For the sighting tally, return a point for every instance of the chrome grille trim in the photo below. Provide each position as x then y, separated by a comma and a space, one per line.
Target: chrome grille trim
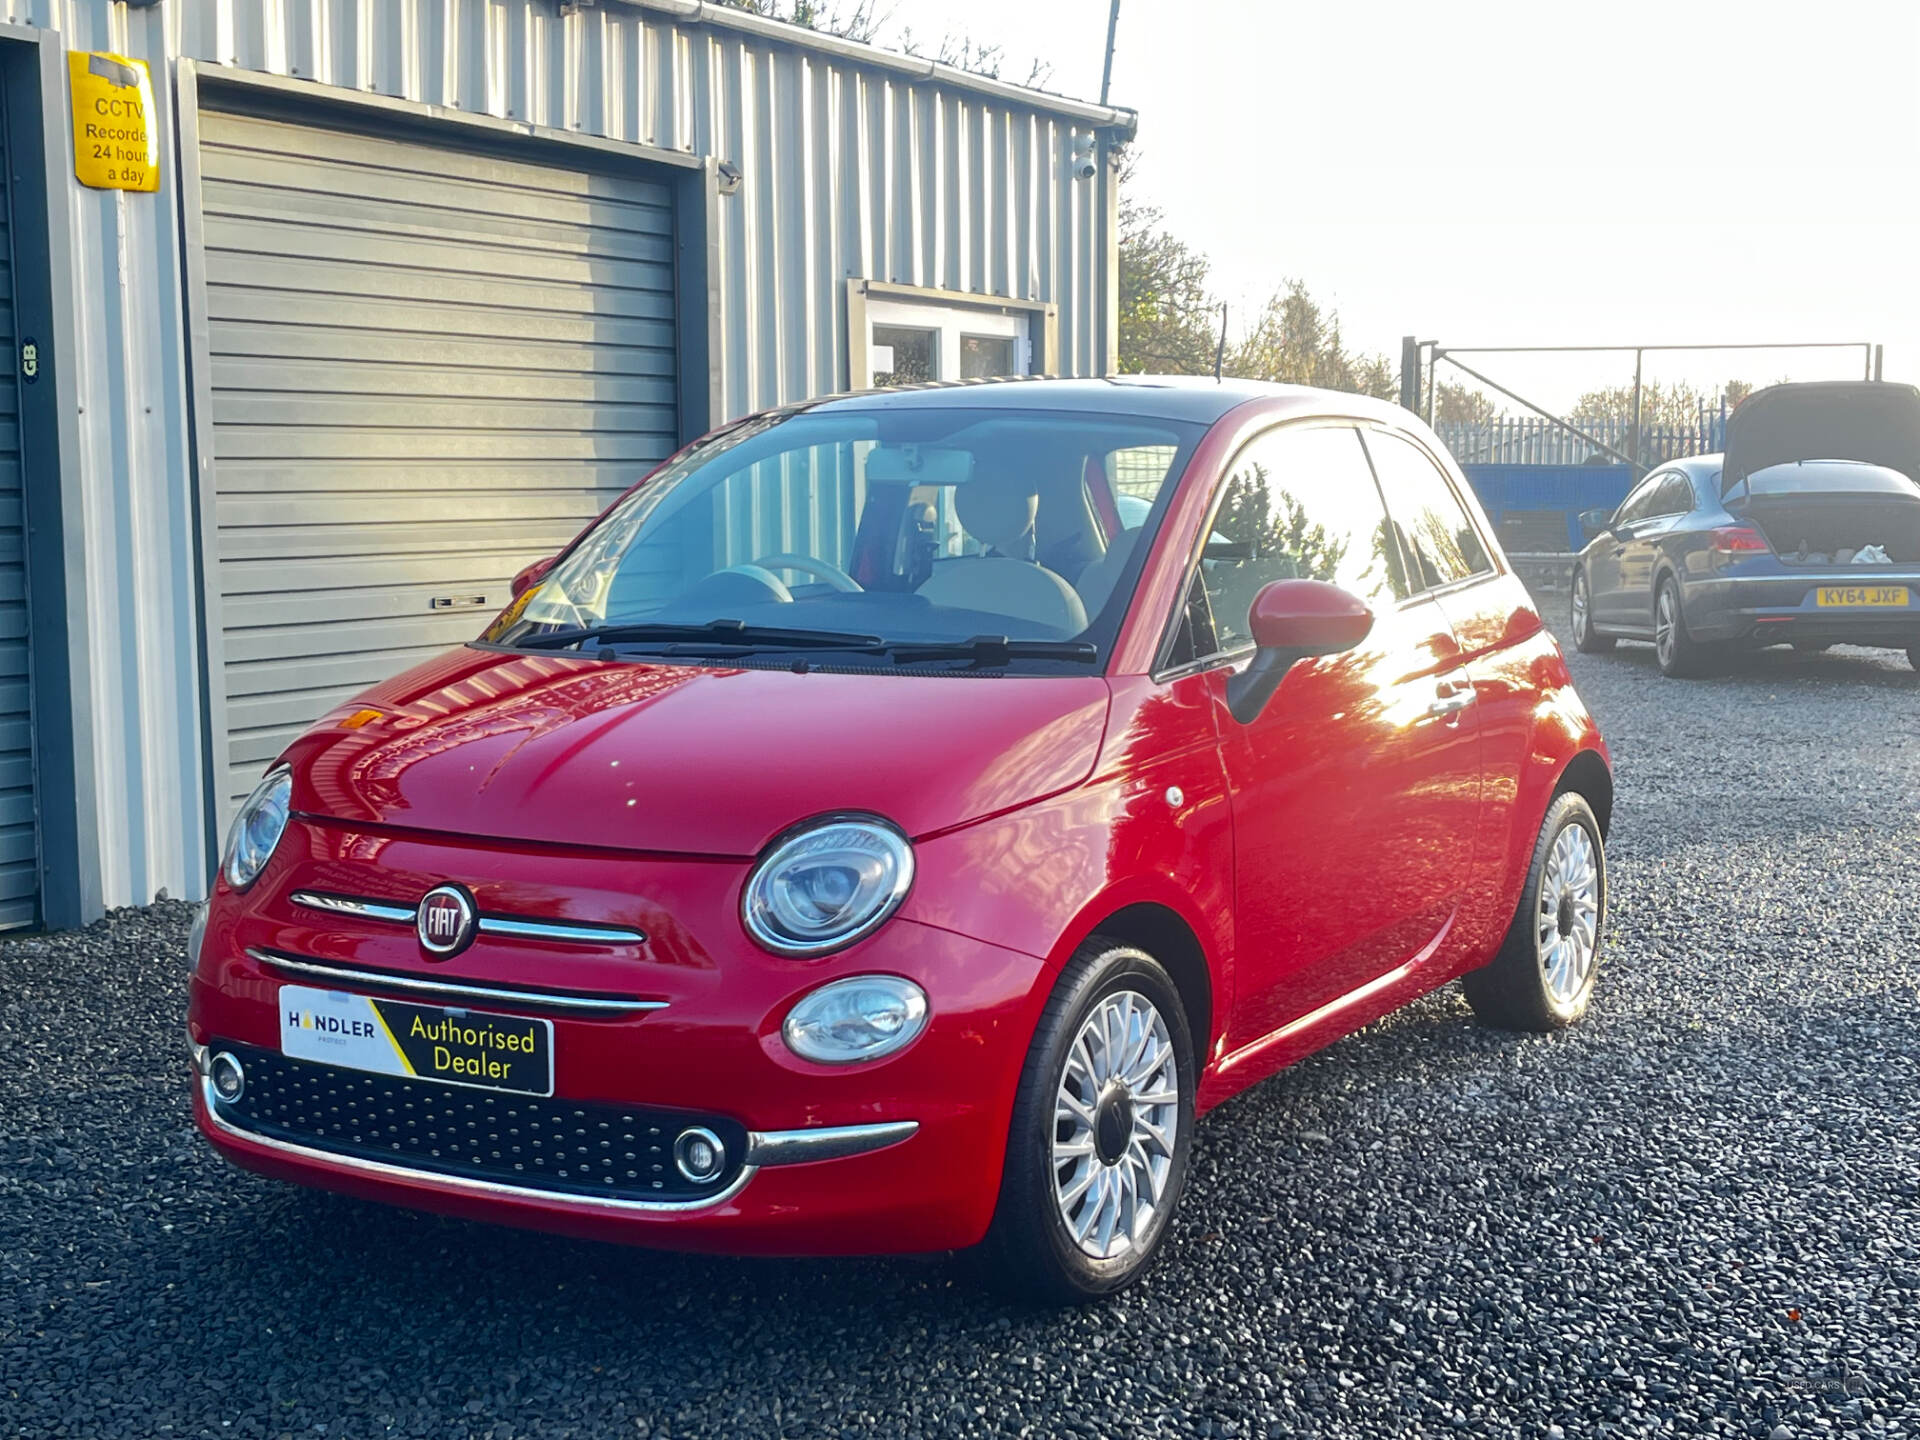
347, 905
455, 990
518, 927
554, 930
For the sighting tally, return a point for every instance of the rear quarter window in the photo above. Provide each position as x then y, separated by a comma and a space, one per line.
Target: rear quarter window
1437, 534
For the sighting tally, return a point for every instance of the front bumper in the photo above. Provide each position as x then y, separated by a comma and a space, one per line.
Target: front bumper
1773, 609
761, 1148
901, 1154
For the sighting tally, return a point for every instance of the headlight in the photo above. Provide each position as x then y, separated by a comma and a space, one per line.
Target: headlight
258, 828
862, 1018
824, 887
196, 936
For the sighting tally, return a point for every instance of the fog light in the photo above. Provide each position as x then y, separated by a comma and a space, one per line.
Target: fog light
699, 1154
863, 1017
229, 1080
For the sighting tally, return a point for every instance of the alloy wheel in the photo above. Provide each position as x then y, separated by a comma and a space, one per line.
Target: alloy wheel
1580, 617
1666, 621
1116, 1114
1568, 928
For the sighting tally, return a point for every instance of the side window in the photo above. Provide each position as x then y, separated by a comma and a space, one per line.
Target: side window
1676, 496
1193, 628
1137, 473
1639, 505
1298, 503
1435, 530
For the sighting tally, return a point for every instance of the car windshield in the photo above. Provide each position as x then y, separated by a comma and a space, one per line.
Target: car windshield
890, 535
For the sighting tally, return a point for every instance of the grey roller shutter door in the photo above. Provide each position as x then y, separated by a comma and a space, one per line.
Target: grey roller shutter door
19, 821
429, 366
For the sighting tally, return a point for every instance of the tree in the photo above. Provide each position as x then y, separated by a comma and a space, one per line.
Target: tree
963, 52
858, 22
1246, 518
1170, 318
1661, 406
863, 20
1462, 404
1295, 342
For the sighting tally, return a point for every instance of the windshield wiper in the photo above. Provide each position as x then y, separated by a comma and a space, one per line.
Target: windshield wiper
728, 633
991, 650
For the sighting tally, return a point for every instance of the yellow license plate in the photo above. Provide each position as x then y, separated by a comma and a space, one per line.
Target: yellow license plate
1859, 596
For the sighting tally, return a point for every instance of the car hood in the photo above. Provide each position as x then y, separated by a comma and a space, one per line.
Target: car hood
1865, 420
688, 759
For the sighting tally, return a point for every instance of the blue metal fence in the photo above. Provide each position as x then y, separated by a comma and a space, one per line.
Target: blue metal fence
1535, 477
1535, 440
1536, 508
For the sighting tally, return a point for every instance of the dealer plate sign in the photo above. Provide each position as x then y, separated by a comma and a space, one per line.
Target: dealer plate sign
114, 147
421, 1042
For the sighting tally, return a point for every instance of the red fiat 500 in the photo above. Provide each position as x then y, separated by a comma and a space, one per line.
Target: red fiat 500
897, 818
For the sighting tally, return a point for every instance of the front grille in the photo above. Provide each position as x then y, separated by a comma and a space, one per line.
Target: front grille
565, 1146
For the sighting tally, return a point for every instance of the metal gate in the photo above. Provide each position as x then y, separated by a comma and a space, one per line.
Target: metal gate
429, 366
19, 818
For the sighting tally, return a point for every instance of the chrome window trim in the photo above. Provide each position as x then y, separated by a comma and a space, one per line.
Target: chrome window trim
515, 926
453, 989
466, 1184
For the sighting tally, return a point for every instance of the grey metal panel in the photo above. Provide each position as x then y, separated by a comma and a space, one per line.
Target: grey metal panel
428, 367
19, 821
855, 162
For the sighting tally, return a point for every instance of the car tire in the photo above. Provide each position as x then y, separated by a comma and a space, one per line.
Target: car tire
1586, 639
1542, 977
1679, 654
1032, 1250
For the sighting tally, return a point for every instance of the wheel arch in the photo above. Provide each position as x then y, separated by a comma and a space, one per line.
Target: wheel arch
1587, 775
1667, 568
1165, 935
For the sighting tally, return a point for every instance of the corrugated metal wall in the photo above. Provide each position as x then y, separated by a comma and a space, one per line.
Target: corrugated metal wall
848, 169
853, 164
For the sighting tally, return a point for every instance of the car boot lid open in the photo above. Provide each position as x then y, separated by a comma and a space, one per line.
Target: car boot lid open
1862, 420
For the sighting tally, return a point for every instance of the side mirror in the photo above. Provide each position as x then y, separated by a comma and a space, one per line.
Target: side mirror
532, 575
1294, 620
1594, 522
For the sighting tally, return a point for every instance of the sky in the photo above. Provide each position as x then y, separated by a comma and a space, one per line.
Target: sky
1524, 172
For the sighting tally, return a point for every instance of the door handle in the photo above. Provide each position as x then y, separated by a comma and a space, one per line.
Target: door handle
1454, 697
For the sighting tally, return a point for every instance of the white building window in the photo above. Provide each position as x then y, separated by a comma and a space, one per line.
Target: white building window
898, 335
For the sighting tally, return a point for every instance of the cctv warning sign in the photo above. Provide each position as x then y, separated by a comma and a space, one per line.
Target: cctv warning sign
113, 139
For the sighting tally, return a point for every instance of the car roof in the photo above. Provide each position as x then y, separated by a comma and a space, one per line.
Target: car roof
1200, 399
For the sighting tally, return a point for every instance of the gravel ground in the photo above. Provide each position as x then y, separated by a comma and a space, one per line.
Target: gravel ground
1694, 1214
